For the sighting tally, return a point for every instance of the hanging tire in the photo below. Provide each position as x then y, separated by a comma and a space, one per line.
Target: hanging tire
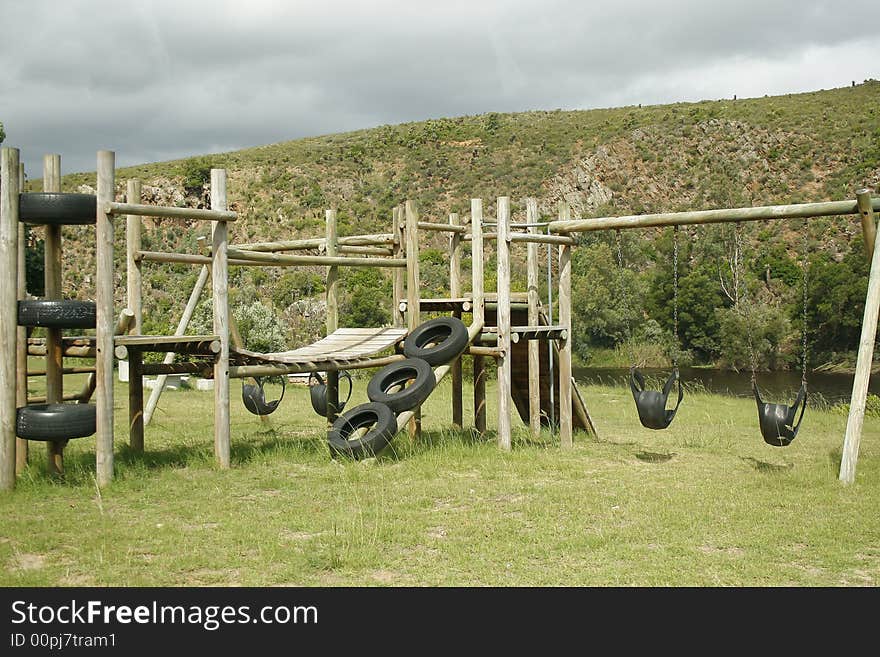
382, 388
57, 313
54, 422
57, 209
383, 427
437, 341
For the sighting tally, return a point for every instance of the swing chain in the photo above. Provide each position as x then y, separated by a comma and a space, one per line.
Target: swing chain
805, 267
675, 296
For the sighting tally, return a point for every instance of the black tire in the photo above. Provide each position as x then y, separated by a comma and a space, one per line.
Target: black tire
54, 422
397, 374
379, 417
437, 341
57, 209
59, 313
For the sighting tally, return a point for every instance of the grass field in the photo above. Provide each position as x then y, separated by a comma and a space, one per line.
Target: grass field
705, 503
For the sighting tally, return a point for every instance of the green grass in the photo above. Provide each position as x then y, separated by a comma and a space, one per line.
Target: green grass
704, 503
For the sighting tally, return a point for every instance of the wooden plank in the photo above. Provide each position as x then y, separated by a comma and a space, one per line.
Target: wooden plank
147, 341
504, 342
277, 260
318, 243
105, 319
220, 291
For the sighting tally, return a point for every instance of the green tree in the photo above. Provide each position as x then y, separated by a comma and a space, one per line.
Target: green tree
365, 299
2, 133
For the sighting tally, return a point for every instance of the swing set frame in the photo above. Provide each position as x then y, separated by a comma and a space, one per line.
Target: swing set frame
864, 205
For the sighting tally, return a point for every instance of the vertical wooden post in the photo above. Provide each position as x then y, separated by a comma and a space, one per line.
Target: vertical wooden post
332, 236
9, 167
52, 269
479, 313
220, 289
565, 391
856, 417
21, 445
534, 302
455, 293
502, 247
397, 277
133, 286
105, 319
869, 228
413, 290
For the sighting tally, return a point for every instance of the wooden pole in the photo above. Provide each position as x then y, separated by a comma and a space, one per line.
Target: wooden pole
763, 213
455, 293
21, 377
220, 288
479, 313
869, 228
105, 319
503, 313
856, 417
133, 277
9, 168
534, 303
397, 281
565, 389
332, 237
413, 292
52, 269
136, 399
181, 330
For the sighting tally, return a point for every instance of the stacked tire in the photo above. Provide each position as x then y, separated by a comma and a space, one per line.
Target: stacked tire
56, 422
397, 388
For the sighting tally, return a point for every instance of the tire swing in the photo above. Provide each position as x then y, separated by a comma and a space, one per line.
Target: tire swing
389, 385
651, 404
780, 423
437, 341
254, 396
318, 393
362, 432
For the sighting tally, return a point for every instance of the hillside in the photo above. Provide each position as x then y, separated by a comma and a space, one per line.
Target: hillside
801, 147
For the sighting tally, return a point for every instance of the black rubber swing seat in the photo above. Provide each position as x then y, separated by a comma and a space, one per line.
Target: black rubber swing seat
318, 393
344, 439
57, 208
437, 341
777, 421
388, 385
57, 313
651, 404
54, 422
254, 397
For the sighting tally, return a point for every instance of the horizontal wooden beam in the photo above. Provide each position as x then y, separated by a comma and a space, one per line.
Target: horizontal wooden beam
277, 369
543, 239
443, 228
377, 239
299, 260
762, 213
203, 369
166, 212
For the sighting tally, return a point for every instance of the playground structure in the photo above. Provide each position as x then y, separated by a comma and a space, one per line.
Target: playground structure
491, 333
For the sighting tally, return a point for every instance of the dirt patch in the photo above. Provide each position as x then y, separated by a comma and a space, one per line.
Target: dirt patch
730, 551
300, 536
437, 532
26, 561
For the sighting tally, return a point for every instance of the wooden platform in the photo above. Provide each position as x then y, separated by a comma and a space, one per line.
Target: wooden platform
343, 345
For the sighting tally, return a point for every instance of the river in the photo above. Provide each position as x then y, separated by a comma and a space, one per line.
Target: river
775, 386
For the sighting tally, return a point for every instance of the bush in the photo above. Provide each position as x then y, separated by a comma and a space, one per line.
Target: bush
196, 172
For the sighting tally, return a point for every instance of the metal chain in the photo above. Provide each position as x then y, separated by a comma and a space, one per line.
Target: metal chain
805, 266
624, 297
675, 346
740, 296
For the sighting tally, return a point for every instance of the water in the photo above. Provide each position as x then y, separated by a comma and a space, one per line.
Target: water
780, 387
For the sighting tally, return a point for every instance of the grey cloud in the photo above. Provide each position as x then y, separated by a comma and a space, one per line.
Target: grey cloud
160, 79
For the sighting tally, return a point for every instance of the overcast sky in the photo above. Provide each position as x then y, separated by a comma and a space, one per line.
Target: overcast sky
156, 80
